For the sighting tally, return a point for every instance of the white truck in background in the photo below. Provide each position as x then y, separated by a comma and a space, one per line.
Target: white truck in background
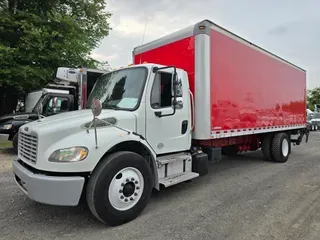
68, 92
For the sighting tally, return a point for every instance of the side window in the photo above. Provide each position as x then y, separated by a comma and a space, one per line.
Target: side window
161, 93
56, 105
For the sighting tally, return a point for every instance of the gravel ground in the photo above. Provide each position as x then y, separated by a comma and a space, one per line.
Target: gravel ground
241, 198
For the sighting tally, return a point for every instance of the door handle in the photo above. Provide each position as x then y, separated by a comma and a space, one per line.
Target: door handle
184, 126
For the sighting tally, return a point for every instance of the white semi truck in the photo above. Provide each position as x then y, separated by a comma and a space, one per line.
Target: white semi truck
157, 124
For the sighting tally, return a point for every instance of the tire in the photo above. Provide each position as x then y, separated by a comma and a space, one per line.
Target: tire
266, 147
230, 150
281, 147
15, 140
119, 188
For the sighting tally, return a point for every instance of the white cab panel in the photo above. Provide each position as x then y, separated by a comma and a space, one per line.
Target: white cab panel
165, 134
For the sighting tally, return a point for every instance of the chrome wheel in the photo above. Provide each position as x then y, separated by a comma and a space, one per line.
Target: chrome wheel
126, 188
285, 147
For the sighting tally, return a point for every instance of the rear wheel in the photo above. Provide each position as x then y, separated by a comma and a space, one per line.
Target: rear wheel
266, 147
281, 147
119, 188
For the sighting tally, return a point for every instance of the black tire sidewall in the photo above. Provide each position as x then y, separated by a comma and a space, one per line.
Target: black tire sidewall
15, 140
277, 147
266, 147
103, 207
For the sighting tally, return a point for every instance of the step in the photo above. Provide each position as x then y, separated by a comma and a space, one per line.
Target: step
172, 158
178, 178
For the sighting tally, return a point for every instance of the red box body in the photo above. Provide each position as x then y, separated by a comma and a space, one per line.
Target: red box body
251, 90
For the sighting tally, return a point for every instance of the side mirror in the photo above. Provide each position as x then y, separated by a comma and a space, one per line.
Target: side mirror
96, 107
54, 104
40, 110
178, 102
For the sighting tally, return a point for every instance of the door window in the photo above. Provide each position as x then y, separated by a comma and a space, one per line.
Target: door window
161, 93
56, 105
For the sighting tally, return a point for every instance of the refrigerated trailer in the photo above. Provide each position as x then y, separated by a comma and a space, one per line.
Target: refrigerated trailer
188, 98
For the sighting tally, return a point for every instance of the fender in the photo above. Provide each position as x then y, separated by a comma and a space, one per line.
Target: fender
109, 139
137, 146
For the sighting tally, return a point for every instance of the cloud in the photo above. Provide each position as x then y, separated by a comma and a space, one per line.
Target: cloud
281, 30
288, 28
102, 57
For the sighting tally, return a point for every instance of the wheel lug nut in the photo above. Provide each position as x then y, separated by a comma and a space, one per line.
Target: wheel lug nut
131, 199
120, 191
136, 182
136, 194
127, 180
122, 184
137, 187
126, 200
132, 179
122, 197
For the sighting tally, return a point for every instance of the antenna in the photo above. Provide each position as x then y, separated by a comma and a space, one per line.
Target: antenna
144, 34
145, 28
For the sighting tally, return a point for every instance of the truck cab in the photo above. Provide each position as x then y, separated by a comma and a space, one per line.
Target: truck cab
64, 93
145, 115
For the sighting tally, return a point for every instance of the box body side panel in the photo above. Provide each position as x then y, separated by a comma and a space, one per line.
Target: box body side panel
179, 53
251, 90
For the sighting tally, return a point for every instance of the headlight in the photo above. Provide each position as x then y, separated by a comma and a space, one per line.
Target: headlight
73, 154
6, 126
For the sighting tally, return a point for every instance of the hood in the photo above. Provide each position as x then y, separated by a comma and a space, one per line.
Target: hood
18, 116
70, 122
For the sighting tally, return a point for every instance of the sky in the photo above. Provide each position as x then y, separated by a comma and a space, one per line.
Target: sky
287, 28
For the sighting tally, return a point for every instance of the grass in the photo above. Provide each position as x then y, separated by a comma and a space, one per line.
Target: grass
5, 144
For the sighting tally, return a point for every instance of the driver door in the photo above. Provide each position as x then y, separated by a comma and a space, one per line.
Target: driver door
170, 133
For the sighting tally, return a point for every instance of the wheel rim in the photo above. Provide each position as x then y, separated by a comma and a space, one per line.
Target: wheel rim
285, 147
126, 188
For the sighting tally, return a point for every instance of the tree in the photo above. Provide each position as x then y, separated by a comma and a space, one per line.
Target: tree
37, 36
313, 97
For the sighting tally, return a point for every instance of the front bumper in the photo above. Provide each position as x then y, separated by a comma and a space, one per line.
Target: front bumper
53, 190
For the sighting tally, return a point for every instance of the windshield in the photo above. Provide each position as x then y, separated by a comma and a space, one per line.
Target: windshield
121, 89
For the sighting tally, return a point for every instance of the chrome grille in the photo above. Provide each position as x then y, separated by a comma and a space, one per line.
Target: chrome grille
28, 146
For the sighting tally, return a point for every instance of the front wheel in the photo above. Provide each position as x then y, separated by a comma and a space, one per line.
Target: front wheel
119, 188
15, 143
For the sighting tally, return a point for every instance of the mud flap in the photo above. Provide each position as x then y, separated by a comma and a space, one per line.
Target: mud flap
302, 133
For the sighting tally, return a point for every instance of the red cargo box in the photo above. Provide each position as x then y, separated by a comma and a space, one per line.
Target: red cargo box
239, 88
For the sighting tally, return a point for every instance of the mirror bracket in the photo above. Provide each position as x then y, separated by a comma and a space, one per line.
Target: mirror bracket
158, 114
96, 108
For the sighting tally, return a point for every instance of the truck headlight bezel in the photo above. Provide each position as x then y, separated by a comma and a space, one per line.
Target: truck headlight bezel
71, 154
